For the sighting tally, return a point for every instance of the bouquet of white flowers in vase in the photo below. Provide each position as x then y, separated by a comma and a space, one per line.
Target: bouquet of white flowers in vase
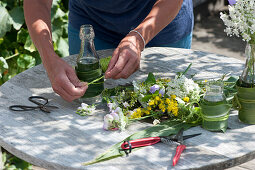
241, 22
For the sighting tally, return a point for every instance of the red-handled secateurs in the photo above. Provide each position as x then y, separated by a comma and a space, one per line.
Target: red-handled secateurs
173, 139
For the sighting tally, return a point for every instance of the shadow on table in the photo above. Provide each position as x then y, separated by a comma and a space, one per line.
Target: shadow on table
63, 136
204, 65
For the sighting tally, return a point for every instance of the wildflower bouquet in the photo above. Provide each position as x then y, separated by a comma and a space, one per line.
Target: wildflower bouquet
155, 98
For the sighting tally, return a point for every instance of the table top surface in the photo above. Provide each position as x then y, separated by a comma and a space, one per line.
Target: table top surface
64, 140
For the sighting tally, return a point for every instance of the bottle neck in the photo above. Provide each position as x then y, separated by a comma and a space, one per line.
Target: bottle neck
214, 92
87, 48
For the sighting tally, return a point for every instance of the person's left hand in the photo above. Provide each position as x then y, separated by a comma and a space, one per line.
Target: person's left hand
126, 57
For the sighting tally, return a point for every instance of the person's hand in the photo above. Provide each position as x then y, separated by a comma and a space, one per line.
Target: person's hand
126, 57
64, 80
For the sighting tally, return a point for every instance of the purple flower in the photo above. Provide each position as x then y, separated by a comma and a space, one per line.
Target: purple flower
115, 116
154, 88
125, 104
162, 91
111, 106
231, 2
117, 110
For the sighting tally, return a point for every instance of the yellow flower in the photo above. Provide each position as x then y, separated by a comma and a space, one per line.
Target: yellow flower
155, 102
169, 108
168, 101
149, 108
186, 99
157, 98
161, 105
147, 112
137, 114
175, 112
134, 115
173, 96
166, 80
163, 109
151, 102
162, 101
206, 81
139, 111
175, 104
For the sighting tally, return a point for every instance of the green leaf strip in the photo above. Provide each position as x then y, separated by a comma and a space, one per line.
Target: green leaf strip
163, 129
244, 101
215, 113
186, 70
104, 62
96, 80
215, 117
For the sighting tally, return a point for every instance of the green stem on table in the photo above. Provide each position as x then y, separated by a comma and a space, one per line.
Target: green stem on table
187, 69
12, 56
93, 82
144, 117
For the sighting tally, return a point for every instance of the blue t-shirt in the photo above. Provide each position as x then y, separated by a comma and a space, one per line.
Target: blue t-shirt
113, 19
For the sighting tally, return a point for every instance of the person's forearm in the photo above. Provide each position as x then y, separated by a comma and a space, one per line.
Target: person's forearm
38, 20
162, 13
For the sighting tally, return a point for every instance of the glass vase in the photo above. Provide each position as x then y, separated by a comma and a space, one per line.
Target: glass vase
87, 66
244, 100
247, 79
215, 109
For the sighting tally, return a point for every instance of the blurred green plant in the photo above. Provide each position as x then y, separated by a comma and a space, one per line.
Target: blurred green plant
17, 51
13, 163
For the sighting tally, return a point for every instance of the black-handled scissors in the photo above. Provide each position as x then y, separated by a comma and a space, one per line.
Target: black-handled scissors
40, 101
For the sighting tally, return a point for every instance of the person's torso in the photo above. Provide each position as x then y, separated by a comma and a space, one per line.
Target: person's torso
113, 19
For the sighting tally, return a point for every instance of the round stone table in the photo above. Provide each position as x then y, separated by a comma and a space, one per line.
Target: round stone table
64, 140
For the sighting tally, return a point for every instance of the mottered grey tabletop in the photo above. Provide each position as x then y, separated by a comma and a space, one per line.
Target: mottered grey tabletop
64, 140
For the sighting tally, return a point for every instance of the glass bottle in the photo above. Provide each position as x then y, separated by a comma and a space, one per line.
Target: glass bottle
214, 93
88, 68
214, 107
247, 77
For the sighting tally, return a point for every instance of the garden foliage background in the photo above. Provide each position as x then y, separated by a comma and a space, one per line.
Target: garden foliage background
18, 53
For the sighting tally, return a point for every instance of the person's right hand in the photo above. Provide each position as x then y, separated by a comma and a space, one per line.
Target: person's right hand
63, 79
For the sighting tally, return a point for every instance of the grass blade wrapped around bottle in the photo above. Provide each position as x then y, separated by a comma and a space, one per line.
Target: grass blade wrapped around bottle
215, 115
89, 72
215, 109
244, 101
